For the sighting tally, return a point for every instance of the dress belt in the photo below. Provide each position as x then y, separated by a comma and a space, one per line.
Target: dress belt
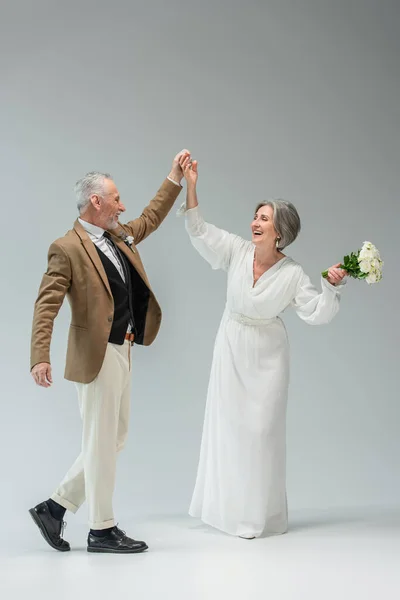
244, 320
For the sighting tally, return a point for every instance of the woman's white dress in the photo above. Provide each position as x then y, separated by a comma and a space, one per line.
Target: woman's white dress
241, 479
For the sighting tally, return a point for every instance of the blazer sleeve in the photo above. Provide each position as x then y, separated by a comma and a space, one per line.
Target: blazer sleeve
154, 213
53, 288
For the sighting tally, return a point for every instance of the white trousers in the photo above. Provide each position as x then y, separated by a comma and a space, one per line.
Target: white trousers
104, 406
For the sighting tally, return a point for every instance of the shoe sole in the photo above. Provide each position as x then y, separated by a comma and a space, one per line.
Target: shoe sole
112, 551
42, 530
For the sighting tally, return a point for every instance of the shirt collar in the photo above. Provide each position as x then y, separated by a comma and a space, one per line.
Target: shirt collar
92, 229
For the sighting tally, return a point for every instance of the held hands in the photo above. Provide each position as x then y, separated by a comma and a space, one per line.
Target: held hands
190, 172
336, 274
183, 166
177, 172
41, 373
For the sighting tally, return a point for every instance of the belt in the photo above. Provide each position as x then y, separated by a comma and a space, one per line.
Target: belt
130, 337
245, 320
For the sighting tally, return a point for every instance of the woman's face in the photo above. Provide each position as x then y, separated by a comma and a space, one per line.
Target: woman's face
262, 227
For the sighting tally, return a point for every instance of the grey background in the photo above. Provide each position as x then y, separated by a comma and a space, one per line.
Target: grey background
298, 100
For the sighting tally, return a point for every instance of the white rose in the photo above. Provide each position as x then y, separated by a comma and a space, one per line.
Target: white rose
375, 264
365, 266
372, 277
366, 253
368, 250
369, 246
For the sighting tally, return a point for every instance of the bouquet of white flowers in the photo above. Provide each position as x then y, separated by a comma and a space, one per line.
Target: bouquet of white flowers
363, 264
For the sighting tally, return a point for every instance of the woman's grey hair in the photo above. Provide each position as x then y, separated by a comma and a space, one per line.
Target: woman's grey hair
286, 221
91, 183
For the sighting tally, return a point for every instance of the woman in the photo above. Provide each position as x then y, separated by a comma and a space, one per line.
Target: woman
240, 487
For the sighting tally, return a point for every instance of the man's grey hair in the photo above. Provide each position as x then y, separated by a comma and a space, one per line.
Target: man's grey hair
286, 221
91, 183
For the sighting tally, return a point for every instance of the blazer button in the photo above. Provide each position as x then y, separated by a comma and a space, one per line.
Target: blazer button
110, 319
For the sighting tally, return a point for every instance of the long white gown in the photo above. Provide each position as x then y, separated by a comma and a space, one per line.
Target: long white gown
241, 479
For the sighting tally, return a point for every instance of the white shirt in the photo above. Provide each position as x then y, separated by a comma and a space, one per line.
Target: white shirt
96, 234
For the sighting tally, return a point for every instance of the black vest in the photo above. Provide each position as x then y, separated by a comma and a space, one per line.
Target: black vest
131, 299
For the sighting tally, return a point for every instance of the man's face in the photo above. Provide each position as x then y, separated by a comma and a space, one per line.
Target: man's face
109, 206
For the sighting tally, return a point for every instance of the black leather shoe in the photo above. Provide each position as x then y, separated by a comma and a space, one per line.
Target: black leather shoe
116, 542
50, 528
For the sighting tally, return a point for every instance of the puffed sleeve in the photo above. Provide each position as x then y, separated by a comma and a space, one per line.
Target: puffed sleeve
311, 305
215, 245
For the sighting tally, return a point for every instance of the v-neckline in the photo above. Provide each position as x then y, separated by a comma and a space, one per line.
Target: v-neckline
272, 268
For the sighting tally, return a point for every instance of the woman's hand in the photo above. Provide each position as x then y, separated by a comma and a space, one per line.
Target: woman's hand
336, 274
189, 169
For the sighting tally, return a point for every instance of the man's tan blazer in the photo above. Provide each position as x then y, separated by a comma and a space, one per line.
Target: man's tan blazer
75, 270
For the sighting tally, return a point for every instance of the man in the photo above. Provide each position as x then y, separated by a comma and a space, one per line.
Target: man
97, 266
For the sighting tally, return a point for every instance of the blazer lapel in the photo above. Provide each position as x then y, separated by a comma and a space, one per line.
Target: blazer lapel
132, 257
92, 252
